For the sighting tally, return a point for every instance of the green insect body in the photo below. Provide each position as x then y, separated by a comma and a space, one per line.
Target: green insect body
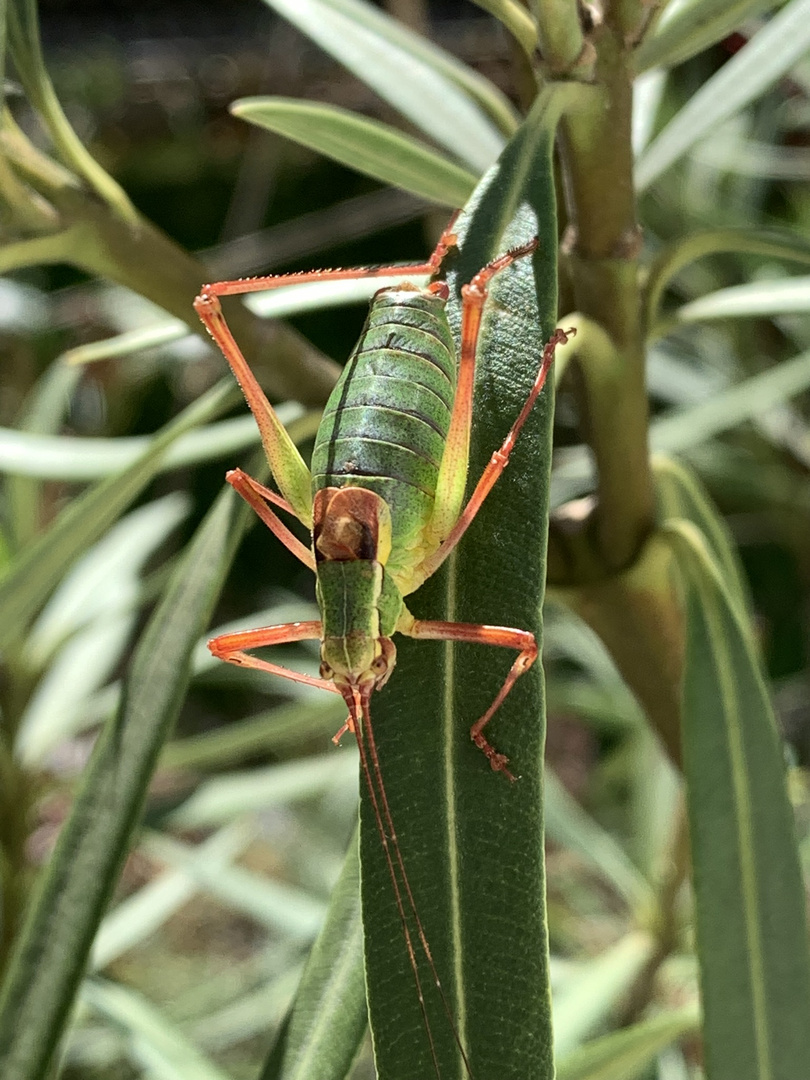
384, 430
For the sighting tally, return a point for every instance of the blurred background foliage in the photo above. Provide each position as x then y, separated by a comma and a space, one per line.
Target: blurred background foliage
250, 811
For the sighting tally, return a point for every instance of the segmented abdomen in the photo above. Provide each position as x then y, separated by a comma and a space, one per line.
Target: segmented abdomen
385, 424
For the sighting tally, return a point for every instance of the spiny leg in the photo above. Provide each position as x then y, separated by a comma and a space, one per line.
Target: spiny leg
453, 471
503, 636
288, 467
275, 281
265, 492
255, 494
231, 647
499, 460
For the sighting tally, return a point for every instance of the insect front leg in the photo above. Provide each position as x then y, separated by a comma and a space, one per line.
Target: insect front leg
257, 496
233, 648
477, 634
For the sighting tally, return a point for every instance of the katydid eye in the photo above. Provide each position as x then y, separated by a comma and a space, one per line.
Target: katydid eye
379, 665
326, 672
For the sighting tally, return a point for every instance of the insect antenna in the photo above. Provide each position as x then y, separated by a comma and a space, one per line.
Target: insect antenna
365, 732
360, 710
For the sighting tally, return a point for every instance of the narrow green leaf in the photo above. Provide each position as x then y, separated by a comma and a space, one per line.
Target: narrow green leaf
273, 304
769, 243
648, 91
749, 73
752, 939
471, 842
752, 300
155, 1042
601, 707
164, 332
143, 912
570, 826
106, 578
680, 494
54, 944
590, 998
695, 26
80, 638
368, 146
750, 157
327, 1022
43, 415
280, 907
35, 572
687, 427
392, 33
226, 797
278, 730
317, 295
402, 69
570, 637
67, 457
624, 1054
26, 49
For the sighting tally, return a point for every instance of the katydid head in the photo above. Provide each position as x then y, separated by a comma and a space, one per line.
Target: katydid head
359, 603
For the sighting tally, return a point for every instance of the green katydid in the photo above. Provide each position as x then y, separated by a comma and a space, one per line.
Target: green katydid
384, 501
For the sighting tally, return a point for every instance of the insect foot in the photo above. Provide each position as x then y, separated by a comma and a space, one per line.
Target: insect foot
496, 760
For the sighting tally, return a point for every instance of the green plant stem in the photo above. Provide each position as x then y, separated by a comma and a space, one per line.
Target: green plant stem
26, 49
142, 258
516, 19
602, 246
560, 37
632, 17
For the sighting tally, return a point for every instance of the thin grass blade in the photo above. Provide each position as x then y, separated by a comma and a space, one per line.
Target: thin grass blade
680, 494
589, 999
273, 904
45, 412
516, 19
75, 459
226, 797
747, 400
755, 299
574, 829
143, 912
